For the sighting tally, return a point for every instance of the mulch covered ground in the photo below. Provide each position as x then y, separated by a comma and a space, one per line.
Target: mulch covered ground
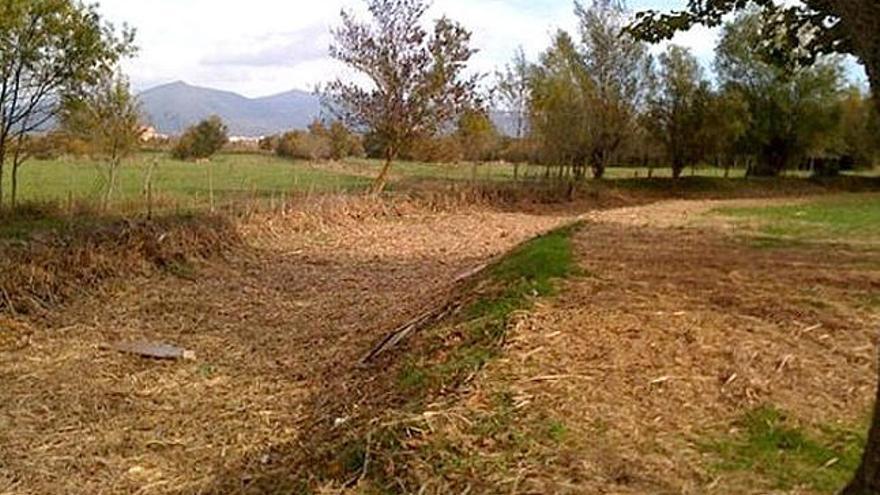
272, 326
675, 328
673, 332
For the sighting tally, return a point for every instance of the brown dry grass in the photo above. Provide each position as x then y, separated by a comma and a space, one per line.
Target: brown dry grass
274, 326
678, 335
279, 324
38, 274
672, 334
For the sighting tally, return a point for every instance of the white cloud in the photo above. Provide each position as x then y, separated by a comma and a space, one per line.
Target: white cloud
262, 47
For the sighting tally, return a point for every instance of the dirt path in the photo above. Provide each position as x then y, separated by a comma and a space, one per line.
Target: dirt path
676, 331
271, 326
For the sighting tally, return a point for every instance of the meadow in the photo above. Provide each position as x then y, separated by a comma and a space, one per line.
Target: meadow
241, 176
229, 175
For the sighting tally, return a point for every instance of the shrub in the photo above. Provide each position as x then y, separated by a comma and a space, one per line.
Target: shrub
446, 149
343, 143
318, 143
515, 150
304, 146
202, 140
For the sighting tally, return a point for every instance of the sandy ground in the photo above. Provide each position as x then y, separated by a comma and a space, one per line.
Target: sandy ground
270, 326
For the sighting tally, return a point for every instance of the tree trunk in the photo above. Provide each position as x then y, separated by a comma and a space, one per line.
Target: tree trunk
2, 160
867, 479
13, 196
765, 167
599, 164
861, 18
111, 184
382, 180
677, 168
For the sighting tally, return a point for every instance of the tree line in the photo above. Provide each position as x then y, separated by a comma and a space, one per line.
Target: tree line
598, 98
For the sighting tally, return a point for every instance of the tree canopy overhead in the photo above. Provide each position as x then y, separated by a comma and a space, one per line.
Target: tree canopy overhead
795, 33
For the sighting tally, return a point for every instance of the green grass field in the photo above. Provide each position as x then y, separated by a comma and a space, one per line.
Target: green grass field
233, 175
788, 455
239, 176
844, 218
58, 190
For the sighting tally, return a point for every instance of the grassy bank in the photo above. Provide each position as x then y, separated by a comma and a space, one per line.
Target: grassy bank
382, 451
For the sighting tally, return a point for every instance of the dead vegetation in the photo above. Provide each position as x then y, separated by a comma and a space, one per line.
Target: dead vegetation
39, 273
668, 333
630, 380
274, 326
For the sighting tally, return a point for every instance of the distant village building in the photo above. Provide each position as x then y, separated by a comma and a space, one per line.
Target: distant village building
151, 134
245, 142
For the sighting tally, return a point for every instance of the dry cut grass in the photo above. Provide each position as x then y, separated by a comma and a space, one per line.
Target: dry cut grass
682, 360
275, 326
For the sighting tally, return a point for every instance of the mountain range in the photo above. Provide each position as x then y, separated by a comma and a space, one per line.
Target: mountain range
171, 108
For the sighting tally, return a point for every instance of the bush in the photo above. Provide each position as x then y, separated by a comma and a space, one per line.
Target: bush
202, 140
269, 143
446, 149
52, 145
303, 146
514, 150
318, 143
343, 143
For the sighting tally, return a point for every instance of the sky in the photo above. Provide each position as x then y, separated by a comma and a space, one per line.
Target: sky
263, 47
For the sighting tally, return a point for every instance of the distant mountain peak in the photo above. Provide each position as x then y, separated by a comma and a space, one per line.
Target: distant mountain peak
175, 106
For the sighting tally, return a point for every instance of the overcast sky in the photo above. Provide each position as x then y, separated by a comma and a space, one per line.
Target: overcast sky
263, 47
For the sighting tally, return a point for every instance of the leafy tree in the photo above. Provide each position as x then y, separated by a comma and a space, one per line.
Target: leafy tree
438, 149
477, 135
620, 68
48, 49
724, 127
202, 140
343, 143
801, 32
108, 121
796, 32
562, 94
678, 109
418, 84
859, 131
512, 91
792, 110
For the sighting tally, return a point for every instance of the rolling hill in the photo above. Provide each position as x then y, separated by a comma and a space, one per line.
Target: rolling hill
171, 108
